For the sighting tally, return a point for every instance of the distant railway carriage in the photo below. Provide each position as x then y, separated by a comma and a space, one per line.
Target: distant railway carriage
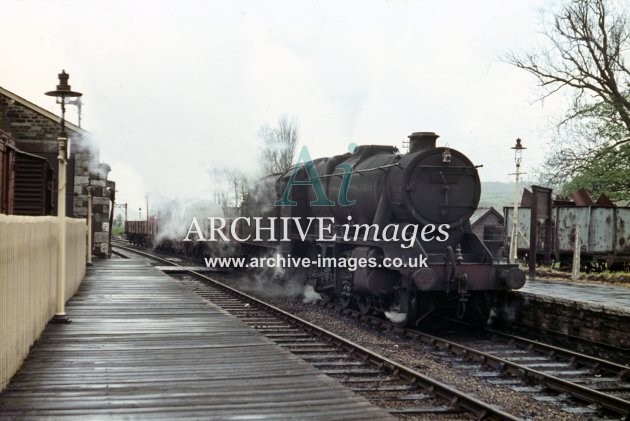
604, 233
141, 232
167, 230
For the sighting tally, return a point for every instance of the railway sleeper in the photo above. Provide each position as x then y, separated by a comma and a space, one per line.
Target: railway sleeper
392, 388
360, 371
337, 364
375, 381
315, 357
412, 397
301, 344
427, 410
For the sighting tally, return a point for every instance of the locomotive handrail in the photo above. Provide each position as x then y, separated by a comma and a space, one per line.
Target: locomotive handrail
468, 167
382, 167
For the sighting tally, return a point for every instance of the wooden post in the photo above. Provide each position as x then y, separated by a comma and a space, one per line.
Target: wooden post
576, 255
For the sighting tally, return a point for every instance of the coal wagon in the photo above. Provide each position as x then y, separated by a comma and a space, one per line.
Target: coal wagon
603, 232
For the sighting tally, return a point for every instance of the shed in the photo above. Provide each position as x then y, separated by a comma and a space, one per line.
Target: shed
487, 224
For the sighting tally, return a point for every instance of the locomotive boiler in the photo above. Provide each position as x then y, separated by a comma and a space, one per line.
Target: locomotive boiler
367, 198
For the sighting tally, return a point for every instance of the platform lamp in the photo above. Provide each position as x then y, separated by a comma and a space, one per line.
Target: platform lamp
62, 92
518, 156
90, 193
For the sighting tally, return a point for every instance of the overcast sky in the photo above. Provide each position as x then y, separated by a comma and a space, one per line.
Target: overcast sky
172, 89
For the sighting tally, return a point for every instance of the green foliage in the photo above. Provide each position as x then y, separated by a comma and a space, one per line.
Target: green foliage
118, 230
608, 172
118, 227
603, 161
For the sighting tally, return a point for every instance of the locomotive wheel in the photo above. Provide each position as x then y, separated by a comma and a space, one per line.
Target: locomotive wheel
409, 307
364, 307
344, 301
479, 309
326, 298
412, 310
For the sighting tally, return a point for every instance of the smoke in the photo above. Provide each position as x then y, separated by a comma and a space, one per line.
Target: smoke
310, 296
395, 317
493, 315
175, 217
272, 282
275, 282
88, 163
262, 195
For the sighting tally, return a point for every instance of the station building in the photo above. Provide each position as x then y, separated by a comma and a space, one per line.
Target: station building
33, 132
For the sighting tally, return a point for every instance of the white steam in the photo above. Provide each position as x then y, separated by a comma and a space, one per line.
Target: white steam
275, 282
175, 217
310, 296
396, 317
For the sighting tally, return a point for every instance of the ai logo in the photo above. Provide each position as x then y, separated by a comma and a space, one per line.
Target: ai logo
315, 181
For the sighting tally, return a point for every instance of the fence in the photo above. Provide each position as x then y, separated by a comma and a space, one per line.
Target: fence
28, 276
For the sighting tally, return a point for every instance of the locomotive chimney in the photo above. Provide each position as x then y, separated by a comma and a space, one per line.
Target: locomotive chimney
420, 141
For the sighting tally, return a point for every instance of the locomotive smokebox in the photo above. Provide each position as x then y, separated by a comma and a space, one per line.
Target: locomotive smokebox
420, 141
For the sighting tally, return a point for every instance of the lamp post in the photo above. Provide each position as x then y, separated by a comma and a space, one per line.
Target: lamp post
89, 226
518, 156
62, 92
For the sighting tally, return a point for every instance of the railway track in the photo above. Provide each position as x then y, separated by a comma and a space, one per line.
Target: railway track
579, 383
402, 391
574, 381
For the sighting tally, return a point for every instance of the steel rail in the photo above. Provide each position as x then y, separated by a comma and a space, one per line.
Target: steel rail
456, 397
592, 362
610, 402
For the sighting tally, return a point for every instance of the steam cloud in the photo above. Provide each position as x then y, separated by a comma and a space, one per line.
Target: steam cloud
395, 317
310, 296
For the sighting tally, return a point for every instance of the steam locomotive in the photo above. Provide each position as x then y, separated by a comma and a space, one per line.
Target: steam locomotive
429, 187
380, 195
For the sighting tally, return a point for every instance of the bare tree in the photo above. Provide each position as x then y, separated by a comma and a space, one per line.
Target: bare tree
230, 187
589, 44
589, 41
279, 145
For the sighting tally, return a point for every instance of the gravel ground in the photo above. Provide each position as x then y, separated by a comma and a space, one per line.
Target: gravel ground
403, 350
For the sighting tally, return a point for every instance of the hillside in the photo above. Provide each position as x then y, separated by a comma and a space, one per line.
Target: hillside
498, 194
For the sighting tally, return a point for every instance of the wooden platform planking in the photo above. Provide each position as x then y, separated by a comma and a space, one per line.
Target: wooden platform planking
142, 346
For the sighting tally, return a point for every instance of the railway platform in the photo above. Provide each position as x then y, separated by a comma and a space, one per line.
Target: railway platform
141, 345
587, 292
